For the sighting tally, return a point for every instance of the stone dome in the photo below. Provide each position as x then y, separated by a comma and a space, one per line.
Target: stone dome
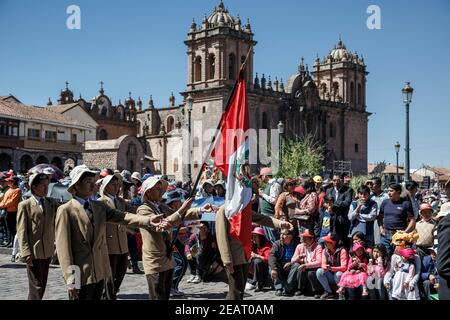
221, 17
340, 52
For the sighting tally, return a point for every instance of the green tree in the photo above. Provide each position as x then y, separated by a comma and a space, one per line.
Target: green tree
305, 155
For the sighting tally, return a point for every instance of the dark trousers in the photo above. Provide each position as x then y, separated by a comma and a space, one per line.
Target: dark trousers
260, 272
118, 263
204, 261
37, 278
444, 289
287, 279
193, 266
428, 289
11, 222
307, 281
342, 227
181, 264
237, 281
133, 249
93, 291
159, 285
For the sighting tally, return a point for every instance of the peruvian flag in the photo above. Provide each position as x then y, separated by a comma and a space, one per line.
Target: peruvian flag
231, 152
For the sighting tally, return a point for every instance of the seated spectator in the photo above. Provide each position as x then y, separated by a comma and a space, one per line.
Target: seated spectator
307, 257
355, 278
204, 250
359, 237
378, 264
308, 208
429, 276
325, 225
259, 264
401, 279
425, 229
283, 271
362, 215
334, 264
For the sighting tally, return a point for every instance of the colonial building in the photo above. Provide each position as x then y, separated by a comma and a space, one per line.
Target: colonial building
328, 102
113, 121
32, 135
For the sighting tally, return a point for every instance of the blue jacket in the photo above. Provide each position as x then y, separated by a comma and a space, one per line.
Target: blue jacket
428, 267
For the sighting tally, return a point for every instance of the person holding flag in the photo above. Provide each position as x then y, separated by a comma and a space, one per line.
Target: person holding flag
234, 218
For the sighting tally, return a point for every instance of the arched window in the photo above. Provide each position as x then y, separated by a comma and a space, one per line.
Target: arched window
102, 134
231, 66
323, 90
26, 163
170, 124
359, 94
198, 69
332, 130
264, 121
335, 89
5, 162
104, 112
352, 92
41, 159
204, 109
56, 161
212, 66
131, 157
175, 165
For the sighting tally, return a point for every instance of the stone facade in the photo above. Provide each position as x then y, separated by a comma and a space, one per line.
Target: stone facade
328, 102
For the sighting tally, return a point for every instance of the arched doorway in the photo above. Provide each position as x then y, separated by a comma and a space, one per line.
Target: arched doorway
5, 162
26, 163
56, 161
41, 159
102, 135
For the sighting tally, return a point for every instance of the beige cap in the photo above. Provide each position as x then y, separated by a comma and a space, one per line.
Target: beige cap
76, 174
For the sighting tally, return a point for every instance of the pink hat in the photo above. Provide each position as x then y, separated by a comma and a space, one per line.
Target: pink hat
259, 230
300, 190
356, 246
407, 253
266, 171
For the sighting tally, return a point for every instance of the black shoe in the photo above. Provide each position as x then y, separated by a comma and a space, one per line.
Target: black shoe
279, 293
129, 265
288, 294
327, 296
136, 270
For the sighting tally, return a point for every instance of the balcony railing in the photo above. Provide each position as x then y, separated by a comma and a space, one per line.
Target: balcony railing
59, 145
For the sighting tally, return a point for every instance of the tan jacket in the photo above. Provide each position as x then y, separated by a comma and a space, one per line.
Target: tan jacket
82, 243
116, 235
154, 250
36, 228
231, 250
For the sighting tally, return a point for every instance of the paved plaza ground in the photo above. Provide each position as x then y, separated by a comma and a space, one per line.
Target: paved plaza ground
14, 286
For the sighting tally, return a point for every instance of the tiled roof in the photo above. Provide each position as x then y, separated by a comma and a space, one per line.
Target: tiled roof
387, 170
24, 112
62, 107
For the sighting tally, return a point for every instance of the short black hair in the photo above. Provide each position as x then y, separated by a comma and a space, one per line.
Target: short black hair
411, 185
396, 187
363, 189
38, 179
376, 180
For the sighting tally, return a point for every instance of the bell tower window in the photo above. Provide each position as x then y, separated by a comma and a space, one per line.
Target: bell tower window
198, 69
212, 66
231, 66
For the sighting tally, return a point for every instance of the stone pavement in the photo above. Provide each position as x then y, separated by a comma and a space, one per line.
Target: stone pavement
14, 286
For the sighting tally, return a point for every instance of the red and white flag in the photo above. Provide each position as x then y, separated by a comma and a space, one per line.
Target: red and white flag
231, 152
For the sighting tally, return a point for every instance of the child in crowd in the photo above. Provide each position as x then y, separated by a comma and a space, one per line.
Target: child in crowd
376, 270
356, 274
404, 286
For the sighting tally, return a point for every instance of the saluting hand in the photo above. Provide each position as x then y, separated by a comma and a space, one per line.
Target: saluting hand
185, 206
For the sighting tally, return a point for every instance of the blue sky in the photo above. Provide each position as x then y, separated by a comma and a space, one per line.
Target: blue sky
138, 46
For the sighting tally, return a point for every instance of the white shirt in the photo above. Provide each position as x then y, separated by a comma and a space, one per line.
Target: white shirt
38, 201
275, 191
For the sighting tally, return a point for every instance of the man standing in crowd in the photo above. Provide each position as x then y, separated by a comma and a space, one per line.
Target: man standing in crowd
232, 252
81, 236
36, 234
267, 200
443, 254
377, 195
343, 197
10, 203
425, 227
116, 235
396, 214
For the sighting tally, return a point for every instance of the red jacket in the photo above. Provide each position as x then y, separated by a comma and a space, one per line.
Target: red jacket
316, 255
264, 251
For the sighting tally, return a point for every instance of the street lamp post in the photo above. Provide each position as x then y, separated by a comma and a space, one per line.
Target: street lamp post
407, 96
280, 134
397, 150
190, 102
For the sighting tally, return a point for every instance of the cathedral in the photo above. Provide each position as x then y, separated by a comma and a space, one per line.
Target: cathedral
327, 102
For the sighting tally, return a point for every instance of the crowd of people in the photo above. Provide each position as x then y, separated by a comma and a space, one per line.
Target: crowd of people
310, 236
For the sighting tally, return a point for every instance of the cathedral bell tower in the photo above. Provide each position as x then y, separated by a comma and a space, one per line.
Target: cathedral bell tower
216, 49
341, 77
